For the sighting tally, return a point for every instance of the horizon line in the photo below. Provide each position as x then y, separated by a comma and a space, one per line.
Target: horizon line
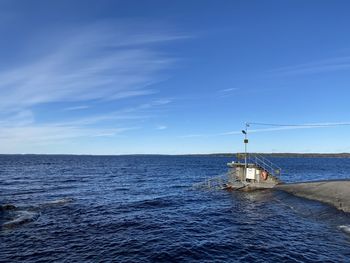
180, 154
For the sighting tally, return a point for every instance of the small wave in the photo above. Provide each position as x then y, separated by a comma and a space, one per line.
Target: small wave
21, 218
61, 201
345, 229
152, 203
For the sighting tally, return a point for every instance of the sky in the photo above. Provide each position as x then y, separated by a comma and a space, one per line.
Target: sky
174, 77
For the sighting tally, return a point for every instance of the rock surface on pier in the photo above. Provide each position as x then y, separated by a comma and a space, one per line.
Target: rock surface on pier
336, 193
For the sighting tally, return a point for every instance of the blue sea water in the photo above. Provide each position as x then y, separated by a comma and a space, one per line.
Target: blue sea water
144, 209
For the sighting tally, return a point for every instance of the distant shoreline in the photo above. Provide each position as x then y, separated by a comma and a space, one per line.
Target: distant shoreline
282, 155
228, 155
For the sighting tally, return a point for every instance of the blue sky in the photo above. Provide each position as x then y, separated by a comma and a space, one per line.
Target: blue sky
173, 77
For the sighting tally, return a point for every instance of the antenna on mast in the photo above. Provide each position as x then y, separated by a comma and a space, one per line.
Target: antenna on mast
245, 132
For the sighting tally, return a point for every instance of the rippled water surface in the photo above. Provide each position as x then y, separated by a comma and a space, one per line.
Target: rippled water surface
144, 209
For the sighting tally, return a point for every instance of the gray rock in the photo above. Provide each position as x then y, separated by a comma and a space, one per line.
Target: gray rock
335, 193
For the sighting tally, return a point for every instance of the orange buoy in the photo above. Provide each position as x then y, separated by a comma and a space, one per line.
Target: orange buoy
264, 175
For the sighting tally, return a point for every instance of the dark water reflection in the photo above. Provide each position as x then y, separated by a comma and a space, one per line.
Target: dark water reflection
143, 209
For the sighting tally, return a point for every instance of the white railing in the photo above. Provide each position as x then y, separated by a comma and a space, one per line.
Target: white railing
218, 182
265, 164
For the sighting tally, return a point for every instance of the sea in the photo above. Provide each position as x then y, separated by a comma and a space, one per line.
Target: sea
145, 208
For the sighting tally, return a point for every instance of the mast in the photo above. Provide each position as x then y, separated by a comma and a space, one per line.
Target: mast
245, 132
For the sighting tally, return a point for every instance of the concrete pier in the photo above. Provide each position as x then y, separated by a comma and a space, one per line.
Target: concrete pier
335, 193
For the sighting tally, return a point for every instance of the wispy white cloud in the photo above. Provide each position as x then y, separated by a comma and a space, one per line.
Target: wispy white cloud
228, 90
20, 118
97, 63
326, 65
281, 128
139, 112
224, 93
127, 76
100, 62
161, 127
22, 129
46, 135
79, 107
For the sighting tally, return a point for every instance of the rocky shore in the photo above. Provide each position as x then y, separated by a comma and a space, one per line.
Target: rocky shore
335, 193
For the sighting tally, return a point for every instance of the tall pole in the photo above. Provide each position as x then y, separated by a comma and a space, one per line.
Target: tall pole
245, 132
245, 148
